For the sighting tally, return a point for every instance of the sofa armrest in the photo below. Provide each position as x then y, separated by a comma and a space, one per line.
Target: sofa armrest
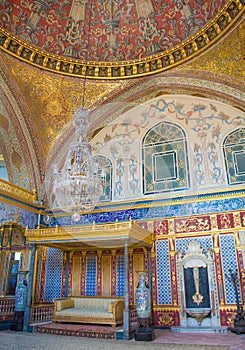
61, 304
116, 307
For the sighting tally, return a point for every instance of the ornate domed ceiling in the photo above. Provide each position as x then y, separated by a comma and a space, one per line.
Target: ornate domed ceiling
60, 35
120, 30
46, 47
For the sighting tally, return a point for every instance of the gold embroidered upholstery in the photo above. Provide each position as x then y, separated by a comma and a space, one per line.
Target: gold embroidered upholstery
102, 310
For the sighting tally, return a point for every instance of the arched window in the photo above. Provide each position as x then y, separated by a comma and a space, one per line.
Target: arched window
234, 154
165, 164
105, 170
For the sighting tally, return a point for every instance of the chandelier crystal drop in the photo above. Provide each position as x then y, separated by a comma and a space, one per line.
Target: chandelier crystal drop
79, 184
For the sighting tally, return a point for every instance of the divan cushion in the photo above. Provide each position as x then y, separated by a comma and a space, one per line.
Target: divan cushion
76, 312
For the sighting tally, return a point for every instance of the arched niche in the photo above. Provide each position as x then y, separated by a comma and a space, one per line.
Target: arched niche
197, 294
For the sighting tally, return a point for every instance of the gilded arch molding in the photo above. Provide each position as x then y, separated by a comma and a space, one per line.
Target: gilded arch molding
136, 95
20, 148
187, 81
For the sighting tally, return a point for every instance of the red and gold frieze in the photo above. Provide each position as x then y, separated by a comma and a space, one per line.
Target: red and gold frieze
227, 316
166, 317
161, 227
242, 217
225, 220
199, 224
194, 224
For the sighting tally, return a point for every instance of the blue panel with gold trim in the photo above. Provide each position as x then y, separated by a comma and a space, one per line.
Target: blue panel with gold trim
228, 254
91, 272
120, 275
163, 273
53, 274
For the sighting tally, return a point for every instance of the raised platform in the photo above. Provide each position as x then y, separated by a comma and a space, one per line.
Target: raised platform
79, 330
200, 329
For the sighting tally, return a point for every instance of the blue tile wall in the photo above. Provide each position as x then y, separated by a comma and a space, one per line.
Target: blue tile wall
196, 208
91, 275
120, 275
206, 242
163, 273
229, 261
53, 274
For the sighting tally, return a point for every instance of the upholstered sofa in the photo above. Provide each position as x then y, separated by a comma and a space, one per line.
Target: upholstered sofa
99, 310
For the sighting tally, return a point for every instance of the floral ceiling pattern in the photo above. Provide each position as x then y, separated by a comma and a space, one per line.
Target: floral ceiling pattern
106, 30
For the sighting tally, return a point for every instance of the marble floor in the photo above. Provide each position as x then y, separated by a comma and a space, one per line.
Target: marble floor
236, 342
165, 340
167, 336
22, 340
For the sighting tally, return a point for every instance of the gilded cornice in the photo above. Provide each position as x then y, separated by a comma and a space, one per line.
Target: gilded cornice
16, 192
227, 57
190, 48
18, 197
103, 235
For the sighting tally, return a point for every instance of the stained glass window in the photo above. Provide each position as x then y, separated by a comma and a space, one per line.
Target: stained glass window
234, 154
105, 171
165, 163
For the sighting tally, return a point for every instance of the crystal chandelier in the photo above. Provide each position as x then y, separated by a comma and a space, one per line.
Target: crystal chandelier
78, 185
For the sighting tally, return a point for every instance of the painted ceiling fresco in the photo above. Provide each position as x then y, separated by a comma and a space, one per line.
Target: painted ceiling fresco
106, 30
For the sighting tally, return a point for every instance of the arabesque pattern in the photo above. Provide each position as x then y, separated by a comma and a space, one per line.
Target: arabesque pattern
113, 30
127, 39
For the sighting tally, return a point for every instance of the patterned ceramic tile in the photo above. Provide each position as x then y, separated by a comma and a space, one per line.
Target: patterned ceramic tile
229, 261
91, 274
163, 272
120, 275
53, 274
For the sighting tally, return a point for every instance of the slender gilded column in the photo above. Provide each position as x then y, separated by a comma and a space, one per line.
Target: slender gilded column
30, 288
126, 323
149, 262
99, 268
67, 255
149, 270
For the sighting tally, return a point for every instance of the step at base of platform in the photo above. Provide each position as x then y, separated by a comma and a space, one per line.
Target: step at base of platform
77, 330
